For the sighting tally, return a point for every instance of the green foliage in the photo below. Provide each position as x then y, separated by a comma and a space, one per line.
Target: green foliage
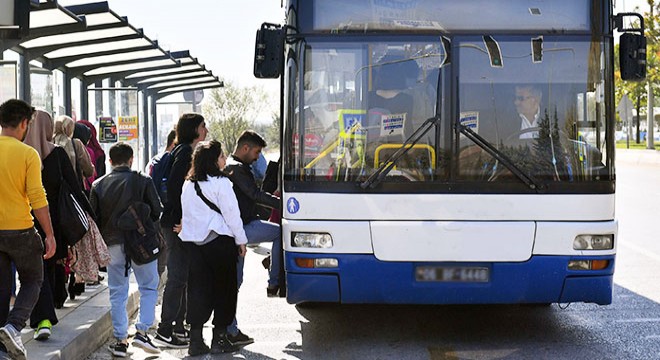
232, 110
270, 132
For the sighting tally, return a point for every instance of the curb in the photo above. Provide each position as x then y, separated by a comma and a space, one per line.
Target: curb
81, 330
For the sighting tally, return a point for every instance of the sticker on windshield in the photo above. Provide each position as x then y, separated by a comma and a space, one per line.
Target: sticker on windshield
292, 205
392, 124
470, 119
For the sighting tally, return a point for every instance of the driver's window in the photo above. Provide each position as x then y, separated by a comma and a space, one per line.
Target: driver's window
523, 99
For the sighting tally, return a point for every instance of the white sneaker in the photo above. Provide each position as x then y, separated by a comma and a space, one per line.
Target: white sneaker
11, 339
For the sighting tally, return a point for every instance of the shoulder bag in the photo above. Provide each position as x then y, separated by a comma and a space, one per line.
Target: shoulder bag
206, 201
73, 221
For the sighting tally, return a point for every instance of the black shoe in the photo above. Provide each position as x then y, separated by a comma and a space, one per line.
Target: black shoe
79, 288
118, 349
239, 339
71, 287
171, 341
272, 291
223, 345
182, 335
198, 348
143, 341
266, 262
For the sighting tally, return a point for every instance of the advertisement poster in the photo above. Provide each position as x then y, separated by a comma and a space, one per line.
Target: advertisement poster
107, 130
128, 128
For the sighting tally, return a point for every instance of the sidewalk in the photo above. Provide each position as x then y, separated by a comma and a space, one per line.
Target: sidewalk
84, 325
639, 157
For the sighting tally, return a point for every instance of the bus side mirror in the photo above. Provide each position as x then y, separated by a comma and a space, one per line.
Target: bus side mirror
632, 47
269, 51
632, 57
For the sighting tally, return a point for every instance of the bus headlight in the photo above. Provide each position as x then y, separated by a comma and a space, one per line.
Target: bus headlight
311, 240
593, 242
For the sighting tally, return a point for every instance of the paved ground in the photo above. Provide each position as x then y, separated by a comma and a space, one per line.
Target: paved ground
254, 319
85, 328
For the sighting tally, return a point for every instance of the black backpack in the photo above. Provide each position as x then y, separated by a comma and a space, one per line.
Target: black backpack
142, 240
160, 171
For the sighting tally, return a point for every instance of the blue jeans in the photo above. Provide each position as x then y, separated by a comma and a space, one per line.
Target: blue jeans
25, 249
147, 279
260, 231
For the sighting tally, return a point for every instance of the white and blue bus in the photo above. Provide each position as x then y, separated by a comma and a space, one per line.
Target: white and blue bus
448, 152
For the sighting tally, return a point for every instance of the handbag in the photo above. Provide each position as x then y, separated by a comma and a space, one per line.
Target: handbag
73, 220
142, 240
92, 253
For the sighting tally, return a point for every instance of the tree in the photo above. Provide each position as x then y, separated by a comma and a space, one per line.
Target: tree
232, 110
273, 132
636, 91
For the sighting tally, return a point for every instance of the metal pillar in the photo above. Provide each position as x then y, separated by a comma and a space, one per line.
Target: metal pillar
84, 100
154, 117
24, 78
68, 105
146, 154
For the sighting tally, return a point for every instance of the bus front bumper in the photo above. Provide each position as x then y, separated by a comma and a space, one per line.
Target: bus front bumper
365, 279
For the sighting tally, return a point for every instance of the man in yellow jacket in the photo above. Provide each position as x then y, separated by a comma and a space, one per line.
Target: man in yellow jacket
21, 191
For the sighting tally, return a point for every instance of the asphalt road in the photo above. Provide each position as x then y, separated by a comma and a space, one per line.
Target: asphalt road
627, 329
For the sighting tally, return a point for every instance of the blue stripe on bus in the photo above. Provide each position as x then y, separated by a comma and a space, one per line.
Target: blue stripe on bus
365, 279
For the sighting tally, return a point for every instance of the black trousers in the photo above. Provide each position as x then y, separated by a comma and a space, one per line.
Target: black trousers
44, 309
212, 282
174, 296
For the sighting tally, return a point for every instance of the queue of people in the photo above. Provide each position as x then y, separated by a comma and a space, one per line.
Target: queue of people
209, 214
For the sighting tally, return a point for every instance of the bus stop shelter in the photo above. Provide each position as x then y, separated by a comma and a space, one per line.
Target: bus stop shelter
88, 62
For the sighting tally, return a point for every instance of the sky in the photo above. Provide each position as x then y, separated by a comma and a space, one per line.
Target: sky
629, 5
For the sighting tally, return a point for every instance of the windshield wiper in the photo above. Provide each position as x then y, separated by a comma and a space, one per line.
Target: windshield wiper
497, 154
384, 169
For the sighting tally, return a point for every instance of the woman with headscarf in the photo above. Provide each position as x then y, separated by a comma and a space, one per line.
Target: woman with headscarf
56, 167
98, 157
75, 149
82, 133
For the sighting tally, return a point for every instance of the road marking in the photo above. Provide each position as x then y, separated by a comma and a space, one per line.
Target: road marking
291, 326
640, 320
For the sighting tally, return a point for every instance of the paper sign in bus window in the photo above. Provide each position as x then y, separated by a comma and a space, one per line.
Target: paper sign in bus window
392, 124
470, 119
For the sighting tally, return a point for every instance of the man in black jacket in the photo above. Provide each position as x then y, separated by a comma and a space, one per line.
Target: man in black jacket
249, 196
110, 196
190, 130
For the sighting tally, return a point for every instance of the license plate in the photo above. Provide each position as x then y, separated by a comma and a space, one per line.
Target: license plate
452, 274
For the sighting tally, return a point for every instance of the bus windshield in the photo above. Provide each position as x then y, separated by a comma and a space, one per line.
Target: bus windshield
536, 101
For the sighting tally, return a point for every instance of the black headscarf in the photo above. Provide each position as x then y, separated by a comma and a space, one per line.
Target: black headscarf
82, 133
